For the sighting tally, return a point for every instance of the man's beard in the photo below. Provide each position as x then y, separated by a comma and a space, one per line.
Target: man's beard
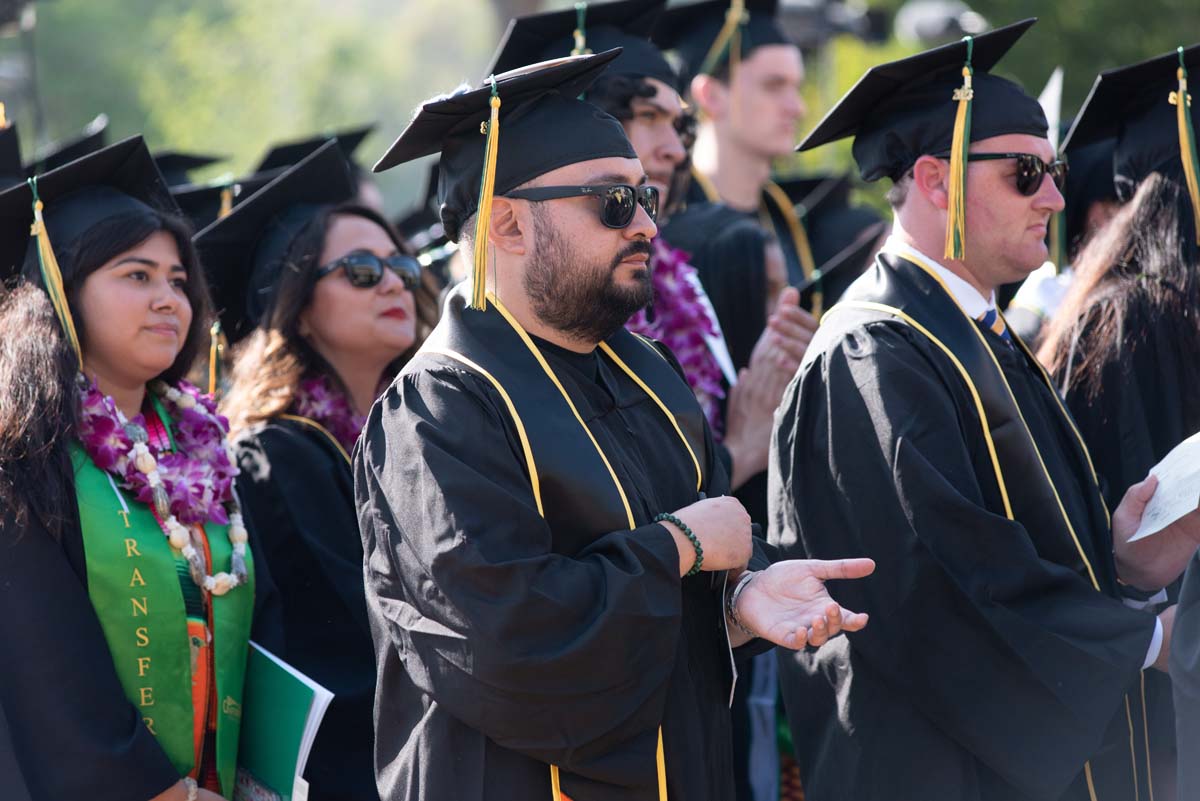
578, 297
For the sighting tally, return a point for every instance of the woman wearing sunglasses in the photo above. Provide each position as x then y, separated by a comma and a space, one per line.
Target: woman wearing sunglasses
324, 305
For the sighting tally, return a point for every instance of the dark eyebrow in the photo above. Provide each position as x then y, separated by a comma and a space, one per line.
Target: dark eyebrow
613, 178
661, 109
148, 263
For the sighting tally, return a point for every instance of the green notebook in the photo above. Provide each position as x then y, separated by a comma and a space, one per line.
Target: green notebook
281, 713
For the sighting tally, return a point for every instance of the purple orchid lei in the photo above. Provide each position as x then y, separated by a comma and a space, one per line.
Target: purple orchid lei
681, 322
198, 476
318, 399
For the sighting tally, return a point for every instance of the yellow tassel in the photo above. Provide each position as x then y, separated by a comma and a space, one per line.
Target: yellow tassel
52, 275
216, 349
3, 117
1058, 250
1182, 101
729, 36
956, 212
580, 32
483, 217
226, 203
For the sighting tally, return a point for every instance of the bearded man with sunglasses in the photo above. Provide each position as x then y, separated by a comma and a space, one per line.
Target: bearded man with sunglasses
547, 549
1005, 653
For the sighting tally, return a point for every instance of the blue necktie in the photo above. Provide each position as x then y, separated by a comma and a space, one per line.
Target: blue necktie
991, 319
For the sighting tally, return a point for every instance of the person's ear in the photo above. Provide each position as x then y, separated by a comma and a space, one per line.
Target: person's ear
931, 179
512, 226
710, 96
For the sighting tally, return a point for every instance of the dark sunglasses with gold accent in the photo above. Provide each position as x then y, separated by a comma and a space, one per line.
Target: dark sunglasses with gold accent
365, 270
619, 201
1030, 170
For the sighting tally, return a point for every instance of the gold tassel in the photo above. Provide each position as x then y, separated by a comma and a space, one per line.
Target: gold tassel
580, 32
728, 37
956, 216
216, 350
1058, 250
3, 116
226, 203
1182, 101
52, 275
483, 217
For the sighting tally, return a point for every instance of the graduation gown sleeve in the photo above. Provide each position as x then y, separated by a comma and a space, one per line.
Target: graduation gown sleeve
1185, 675
72, 731
563, 657
1015, 658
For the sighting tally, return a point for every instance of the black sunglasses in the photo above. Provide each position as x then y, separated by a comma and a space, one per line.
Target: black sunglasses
1030, 170
620, 200
365, 270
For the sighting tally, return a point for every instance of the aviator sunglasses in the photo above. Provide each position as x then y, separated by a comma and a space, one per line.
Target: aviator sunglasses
620, 201
1030, 169
365, 270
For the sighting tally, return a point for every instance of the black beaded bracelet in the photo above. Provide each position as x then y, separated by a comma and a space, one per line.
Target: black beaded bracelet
687, 532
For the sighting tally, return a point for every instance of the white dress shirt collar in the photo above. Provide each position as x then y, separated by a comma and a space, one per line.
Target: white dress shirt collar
973, 303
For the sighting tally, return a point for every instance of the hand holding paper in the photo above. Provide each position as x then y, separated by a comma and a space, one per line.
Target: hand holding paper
1156, 528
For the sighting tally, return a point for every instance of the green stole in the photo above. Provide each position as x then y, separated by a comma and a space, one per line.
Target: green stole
133, 583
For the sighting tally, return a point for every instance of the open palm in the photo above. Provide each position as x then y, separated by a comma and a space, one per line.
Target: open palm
788, 604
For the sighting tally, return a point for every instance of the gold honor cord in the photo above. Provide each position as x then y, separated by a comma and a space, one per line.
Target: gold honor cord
706, 186
52, 275
956, 212
313, 424
808, 264
1182, 100
487, 186
1146, 736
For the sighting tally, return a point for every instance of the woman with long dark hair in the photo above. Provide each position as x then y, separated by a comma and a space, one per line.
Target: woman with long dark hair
126, 584
1125, 347
324, 304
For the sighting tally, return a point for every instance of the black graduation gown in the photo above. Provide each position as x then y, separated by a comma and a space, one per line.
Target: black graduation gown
1144, 407
1185, 672
297, 489
991, 668
505, 642
71, 732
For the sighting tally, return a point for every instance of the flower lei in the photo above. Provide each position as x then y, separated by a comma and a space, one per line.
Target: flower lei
681, 321
187, 488
318, 399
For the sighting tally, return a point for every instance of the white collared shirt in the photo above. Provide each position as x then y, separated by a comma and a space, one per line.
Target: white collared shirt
976, 305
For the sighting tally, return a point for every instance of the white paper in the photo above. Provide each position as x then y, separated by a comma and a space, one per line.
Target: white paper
1178, 490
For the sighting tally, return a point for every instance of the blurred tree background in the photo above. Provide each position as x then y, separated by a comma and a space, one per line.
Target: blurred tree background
229, 77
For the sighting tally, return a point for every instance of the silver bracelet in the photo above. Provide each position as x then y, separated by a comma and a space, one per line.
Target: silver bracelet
193, 789
731, 602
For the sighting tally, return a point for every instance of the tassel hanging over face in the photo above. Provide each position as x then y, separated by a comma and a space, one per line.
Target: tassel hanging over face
1182, 100
580, 33
52, 275
956, 212
483, 217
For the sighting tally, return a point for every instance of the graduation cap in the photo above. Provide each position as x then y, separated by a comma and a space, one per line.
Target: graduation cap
1150, 113
93, 137
545, 127
288, 154
175, 165
12, 171
710, 35
206, 203
243, 252
61, 205
588, 28
936, 102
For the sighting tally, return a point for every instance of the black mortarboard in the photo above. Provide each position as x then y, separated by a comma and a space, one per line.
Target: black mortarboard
545, 126
175, 165
702, 34
12, 171
933, 103
287, 154
1136, 106
117, 180
206, 203
244, 252
588, 28
93, 137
